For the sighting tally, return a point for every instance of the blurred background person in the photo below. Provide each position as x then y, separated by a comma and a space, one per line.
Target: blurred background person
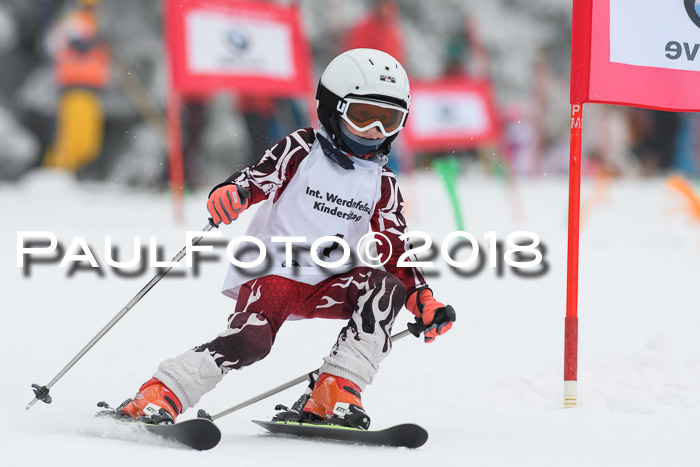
464, 58
654, 138
380, 29
685, 156
268, 119
81, 71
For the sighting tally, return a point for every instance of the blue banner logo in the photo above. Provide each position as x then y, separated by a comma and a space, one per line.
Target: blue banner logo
693, 9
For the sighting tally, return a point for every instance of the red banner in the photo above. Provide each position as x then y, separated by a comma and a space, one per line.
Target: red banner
640, 53
255, 48
451, 114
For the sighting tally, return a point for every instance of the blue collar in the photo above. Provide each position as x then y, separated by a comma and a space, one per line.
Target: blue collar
335, 154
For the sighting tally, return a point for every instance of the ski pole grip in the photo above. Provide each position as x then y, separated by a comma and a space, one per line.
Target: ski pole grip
243, 193
442, 316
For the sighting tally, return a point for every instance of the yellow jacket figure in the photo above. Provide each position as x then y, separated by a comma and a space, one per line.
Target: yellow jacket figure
81, 70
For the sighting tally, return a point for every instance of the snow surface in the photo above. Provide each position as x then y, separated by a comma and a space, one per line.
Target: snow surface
489, 392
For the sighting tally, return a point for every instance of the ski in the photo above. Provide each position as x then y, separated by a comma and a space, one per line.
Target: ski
406, 435
197, 433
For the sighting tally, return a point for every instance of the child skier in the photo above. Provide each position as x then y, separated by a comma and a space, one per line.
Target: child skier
314, 183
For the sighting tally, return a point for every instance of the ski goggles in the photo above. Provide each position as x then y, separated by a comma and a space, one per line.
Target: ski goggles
362, 114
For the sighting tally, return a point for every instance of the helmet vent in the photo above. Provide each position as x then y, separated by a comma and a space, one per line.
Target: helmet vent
370, 60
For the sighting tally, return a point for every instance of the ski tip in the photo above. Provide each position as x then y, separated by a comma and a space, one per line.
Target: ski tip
415, 435
200, 434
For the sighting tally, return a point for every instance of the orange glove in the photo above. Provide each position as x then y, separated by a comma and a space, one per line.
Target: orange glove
435, 316
226, 202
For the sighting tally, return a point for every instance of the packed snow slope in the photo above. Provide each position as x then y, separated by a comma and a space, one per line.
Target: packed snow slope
489, 392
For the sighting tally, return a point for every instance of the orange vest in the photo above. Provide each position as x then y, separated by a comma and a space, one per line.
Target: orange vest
88, 68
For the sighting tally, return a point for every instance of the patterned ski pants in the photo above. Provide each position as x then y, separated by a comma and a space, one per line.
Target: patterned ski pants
369, 298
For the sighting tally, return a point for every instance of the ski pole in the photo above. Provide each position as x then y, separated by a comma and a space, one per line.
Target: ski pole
42, 392
413, 328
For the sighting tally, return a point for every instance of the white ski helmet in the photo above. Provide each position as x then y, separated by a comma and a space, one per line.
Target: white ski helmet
365, 77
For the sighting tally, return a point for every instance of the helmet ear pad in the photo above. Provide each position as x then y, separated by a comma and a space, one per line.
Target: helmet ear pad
327, 113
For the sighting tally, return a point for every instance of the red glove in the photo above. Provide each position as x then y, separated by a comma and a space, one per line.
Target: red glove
422, 304
226, 202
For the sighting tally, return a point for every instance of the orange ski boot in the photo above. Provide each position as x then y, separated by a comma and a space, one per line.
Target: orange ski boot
154, 403
337, 401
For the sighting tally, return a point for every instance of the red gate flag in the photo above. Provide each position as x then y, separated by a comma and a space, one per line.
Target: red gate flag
643, 53
249, 47
449, 114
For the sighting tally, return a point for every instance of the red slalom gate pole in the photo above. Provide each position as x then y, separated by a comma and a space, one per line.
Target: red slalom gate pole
571, 321
176, 164
176, 169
